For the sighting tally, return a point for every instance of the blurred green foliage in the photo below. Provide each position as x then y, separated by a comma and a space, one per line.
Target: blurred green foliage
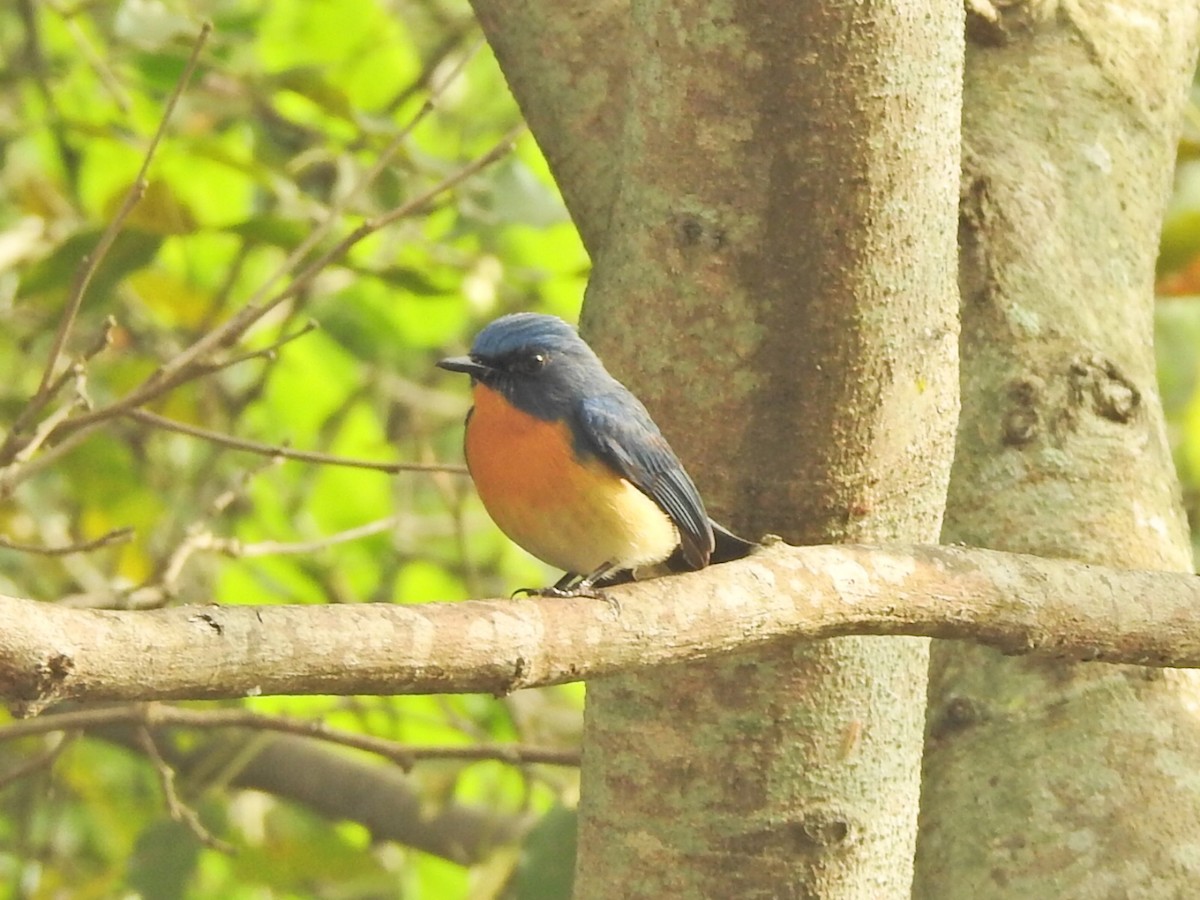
292, 104
1177, 319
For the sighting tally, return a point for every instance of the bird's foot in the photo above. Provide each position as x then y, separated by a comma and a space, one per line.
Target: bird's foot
582, 589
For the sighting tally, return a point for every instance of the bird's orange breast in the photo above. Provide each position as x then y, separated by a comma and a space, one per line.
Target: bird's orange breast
574, 513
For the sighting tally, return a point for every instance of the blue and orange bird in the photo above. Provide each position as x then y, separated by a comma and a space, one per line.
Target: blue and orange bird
570, 465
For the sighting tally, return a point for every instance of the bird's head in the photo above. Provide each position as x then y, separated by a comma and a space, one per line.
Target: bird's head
539, 362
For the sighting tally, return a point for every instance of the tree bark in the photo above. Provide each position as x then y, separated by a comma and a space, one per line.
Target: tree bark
777, 281
1044, 779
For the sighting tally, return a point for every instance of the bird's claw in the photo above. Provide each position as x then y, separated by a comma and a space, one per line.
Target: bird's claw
567, 593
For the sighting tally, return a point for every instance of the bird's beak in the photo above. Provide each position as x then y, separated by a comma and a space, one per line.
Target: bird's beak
463, 364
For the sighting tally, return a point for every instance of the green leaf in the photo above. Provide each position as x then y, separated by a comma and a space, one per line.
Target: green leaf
547, 868
131, 251
411, 280
310, 83
163, 861
278, 231
518, 197
1180, 240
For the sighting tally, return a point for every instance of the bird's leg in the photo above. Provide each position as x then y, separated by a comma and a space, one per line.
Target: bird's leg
575, 585
567, 581
586, 587
560, 588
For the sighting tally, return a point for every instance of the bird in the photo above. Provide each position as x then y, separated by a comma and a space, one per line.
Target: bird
570, 465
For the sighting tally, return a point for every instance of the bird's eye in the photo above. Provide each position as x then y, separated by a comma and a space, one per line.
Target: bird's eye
530, 364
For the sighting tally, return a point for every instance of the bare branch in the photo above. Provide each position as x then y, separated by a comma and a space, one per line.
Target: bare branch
270, 352
180, 811
382, 798
1019, 604
25, 450
90, 263
116, 536
299, 548
425, 80
94, 57
282, 452
165, 585
153, 715
43, 760
187, 364
323, 228
16, 472
83, 277
51, 383
13, 446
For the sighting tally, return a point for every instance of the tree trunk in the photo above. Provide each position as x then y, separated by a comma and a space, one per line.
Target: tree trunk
1044, 779
777, 281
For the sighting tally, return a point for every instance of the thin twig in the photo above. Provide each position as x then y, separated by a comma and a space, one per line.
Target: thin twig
13, 448
88, 267
280, 452
43, 760
417, 204
424, 79
90, 263
167, 375
45, 429
271, 352
94, 58
12, 445
182, 367
116, 536
303, 548
179, 811
196, 539
155, 715
51, 383
164, 585
156, 592
318, 234
15, 473
103, 340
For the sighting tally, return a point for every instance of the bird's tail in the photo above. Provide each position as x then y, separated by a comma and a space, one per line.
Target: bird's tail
728, 545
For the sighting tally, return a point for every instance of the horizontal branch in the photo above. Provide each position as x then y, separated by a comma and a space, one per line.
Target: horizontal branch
1018, 604
115, 536
158, 716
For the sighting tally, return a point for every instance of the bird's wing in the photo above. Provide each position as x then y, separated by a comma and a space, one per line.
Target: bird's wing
620, 432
